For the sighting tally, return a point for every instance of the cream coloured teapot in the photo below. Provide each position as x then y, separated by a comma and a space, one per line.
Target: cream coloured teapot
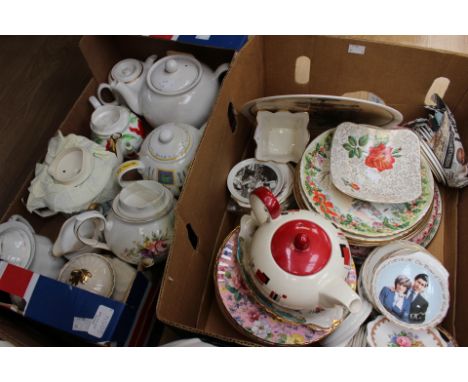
296, 258
176, 88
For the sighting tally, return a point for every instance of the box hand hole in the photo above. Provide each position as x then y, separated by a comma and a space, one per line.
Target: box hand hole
232, 117
302, 70
193, 238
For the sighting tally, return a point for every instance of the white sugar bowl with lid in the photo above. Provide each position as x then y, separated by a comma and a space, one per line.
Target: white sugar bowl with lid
139, 227
295, 258
166, 155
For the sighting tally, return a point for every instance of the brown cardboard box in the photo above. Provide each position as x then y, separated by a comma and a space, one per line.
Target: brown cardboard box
401, 75
101, 53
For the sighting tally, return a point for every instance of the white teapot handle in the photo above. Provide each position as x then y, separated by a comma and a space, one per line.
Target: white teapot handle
101, 87
126, 167
220, 70
80, 219
264, 205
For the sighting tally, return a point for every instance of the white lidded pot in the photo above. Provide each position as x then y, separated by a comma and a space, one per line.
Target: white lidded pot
295, 258
21, 246
126, 80
165, 155
139, 227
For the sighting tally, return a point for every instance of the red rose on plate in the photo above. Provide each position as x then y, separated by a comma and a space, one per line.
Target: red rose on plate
380, 158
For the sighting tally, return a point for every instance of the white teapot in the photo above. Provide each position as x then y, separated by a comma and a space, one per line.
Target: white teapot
295, 258
139, 227
177, 88
126, 80
165, 155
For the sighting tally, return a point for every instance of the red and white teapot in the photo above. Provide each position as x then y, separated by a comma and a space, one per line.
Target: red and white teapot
295, 258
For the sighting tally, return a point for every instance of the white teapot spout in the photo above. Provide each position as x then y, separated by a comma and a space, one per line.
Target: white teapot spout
338, 292
149, 62
130, 97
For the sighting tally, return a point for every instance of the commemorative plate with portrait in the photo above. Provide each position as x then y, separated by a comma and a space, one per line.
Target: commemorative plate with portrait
411, 289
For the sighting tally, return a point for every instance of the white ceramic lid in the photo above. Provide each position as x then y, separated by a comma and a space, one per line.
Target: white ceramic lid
124, 276
90, 272
143, 200
71, 166
17, 244
174, 74
109, 119
127, 70
170, 141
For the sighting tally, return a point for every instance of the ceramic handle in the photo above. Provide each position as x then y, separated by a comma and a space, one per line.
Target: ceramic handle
101, 87
94, 102
80, 219
19, 218
223, 68
126, 167
264, 205
151, 59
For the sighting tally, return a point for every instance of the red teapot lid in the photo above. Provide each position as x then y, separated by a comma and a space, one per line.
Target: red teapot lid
301, 247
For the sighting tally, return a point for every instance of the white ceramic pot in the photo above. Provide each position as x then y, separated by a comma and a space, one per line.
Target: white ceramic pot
108, 120
20, 245
139, 227
166, 155
296, 258
126, 80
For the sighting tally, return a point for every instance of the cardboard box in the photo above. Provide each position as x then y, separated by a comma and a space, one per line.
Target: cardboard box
266, 66
101, 53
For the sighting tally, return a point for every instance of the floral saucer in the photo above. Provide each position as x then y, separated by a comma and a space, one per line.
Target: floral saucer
241, 308
321, 319
353, 216
377, 165
329, 108
383, 333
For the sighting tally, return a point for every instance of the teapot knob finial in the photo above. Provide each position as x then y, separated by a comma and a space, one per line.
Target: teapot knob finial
301, 241
166, 135
171, 66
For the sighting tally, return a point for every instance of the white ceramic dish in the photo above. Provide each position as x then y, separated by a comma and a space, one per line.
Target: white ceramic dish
281, 136
333, 108
383, 333
376, 165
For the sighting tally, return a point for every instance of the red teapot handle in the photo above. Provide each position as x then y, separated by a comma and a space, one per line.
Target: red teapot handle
264, 204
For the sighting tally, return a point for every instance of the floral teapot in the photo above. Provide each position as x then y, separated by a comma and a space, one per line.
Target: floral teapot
296, 258
176, 88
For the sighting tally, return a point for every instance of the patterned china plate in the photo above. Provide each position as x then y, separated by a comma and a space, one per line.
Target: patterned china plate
377, 165
354, 216
322, 320
327, 108
383, 333
245, 313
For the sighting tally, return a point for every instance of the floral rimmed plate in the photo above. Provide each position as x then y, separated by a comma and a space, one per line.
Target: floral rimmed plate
327, 109
354, 216
377, 165
243, 310
321, 319
383, 333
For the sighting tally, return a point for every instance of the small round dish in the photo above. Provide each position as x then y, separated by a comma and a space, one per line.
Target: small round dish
410, 288
249, 174
243, 311
90, 272
383, 333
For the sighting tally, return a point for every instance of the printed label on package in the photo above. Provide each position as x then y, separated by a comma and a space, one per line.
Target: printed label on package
100, 321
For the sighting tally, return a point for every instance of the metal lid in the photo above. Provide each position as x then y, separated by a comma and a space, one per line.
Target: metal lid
301, 247
173, 75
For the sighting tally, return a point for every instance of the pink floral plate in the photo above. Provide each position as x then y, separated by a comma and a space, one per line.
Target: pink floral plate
377, 165
383, 333
241, 308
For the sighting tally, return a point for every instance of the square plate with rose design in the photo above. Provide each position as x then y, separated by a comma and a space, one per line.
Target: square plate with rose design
376, 165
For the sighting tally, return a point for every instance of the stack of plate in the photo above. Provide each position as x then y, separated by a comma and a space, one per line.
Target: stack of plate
364, 223
434, 163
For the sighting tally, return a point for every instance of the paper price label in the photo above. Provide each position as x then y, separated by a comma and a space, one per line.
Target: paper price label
356, 49
101, 320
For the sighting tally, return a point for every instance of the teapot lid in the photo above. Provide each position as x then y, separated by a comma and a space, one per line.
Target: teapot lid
127, 70
72, 166
170, 142
17, 244
143, 200
173, 75
301, 247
